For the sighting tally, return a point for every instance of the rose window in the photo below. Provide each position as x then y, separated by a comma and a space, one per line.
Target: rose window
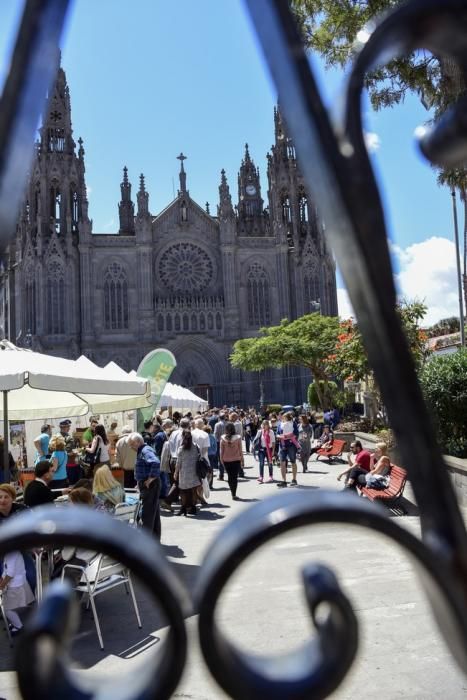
185, 267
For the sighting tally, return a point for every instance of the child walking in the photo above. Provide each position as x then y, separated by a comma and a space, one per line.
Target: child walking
263, 444
16, 591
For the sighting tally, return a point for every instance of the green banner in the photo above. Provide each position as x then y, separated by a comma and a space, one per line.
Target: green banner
157, 366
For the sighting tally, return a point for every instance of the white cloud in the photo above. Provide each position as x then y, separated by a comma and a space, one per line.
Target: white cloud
428, 272
343, 304
372, 140
88, 191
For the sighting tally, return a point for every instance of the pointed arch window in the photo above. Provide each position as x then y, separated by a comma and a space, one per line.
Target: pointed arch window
194, 322
160, 322
218, 321
202, 322
116, 308
168, 322
56, 207
210, 322
56, 140
56, 307
311, 291
303, 208
286, 211
258, 296
177, 322
29, 307
74, 204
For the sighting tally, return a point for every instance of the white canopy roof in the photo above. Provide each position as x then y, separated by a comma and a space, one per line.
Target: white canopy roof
43, 386
180, 397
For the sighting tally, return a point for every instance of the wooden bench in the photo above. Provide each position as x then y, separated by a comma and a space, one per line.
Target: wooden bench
335, 450
397, 481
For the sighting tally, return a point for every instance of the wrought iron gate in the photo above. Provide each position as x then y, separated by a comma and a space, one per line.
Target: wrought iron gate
336, 167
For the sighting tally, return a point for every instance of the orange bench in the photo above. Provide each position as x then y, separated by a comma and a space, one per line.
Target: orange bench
335, 450
397, 481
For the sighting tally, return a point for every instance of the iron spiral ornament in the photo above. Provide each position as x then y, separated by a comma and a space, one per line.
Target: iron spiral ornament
337, 171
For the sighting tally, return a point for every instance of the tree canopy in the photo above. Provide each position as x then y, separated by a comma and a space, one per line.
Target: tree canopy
330, 28
305, 342
444, 384
349, 361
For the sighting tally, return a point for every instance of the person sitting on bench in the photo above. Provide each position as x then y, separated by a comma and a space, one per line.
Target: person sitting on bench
324, 441
359, 466
380, 466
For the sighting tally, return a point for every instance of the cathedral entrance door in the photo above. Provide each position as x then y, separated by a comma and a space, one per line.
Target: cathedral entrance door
204, 391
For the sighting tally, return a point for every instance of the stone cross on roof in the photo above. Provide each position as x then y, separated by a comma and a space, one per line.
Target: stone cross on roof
182, 174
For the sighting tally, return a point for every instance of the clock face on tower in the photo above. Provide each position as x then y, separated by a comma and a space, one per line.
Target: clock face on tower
250, 189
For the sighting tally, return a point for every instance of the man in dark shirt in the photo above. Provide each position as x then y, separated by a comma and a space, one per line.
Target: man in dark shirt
147, 475
149, 433
38, 492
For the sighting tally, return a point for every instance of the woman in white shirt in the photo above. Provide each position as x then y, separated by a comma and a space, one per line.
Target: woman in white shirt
264, 444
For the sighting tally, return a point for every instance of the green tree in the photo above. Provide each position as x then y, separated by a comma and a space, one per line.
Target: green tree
331, 395
305, 342
444, 383
349, 362
330, 28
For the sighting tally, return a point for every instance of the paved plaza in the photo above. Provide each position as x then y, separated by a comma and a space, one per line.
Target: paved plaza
401, 653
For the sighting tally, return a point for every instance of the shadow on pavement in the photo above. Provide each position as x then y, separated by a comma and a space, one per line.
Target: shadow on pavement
173, 550
206, 515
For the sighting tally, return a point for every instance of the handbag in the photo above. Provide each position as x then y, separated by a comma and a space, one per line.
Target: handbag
202, 467
206, 489
91, 458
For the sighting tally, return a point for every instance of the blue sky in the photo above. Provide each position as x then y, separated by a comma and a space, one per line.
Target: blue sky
150, 78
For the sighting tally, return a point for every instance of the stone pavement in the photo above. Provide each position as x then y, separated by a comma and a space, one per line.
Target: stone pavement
401, 653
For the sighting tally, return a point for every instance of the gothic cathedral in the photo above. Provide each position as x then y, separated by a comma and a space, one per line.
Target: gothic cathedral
183, 279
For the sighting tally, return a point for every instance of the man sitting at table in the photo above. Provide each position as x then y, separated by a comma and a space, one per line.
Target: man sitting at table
38, 492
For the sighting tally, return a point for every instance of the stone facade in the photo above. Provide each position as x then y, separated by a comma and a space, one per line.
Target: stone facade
184, 278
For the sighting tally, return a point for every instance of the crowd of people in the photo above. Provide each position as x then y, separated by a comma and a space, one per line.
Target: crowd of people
173, 463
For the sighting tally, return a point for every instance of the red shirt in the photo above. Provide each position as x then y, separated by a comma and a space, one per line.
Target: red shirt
362, 459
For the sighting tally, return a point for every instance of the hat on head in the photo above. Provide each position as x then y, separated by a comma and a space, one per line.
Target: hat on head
62, 423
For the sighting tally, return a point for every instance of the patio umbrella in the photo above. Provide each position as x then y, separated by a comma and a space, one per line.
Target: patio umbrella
35, 385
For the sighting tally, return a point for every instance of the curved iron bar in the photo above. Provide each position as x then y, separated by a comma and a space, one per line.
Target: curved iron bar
337, 169
42, 652
32, 72
318, 668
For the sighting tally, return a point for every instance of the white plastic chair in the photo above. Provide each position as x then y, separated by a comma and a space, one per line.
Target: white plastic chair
128, 512
99, 576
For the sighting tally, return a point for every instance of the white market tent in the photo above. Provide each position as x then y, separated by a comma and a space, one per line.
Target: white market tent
35, 385
180, 397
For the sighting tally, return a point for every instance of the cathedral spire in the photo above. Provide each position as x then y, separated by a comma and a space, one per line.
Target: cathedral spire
182, 175
126, 208
252, 220
56, 133
225, 200
142, 198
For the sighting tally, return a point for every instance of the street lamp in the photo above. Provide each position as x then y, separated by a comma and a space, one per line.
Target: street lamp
458, 262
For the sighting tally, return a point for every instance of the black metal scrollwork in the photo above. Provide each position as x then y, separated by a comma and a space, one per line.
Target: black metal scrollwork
336, 167
42, 653
322, 663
